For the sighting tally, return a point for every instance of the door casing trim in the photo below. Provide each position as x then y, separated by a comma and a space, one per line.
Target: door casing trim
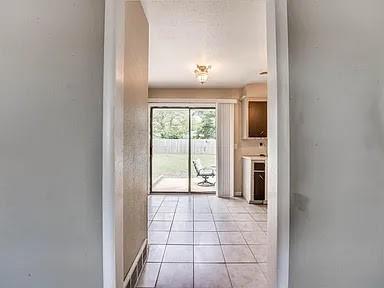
278, 143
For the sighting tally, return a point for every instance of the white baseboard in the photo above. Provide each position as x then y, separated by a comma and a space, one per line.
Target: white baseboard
238, 194
137, 266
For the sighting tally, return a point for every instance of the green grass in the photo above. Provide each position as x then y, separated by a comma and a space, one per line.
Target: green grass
176, 165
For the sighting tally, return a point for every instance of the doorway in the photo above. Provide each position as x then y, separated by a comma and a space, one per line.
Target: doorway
183, 149
278, 144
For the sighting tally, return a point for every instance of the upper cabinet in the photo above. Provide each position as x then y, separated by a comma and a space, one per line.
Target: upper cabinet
257, 119
254, 112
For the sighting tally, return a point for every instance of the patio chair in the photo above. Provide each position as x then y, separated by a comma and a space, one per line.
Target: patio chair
203, 172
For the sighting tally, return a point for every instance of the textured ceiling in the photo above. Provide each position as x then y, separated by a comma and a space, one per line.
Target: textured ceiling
230, 35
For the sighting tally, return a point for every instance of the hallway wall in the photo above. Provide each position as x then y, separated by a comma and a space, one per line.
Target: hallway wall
135, 132
337, 143
51, 84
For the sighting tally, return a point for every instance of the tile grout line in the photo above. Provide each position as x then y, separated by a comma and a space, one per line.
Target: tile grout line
254, 255
221, 248
245, 240
146, 261
166, 242
194, 199
161, 262
248, 245
154, 214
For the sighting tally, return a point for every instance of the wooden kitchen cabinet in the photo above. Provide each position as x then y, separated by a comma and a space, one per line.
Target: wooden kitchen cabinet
254, 119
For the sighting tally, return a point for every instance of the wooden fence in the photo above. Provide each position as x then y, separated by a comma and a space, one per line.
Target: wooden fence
180, 146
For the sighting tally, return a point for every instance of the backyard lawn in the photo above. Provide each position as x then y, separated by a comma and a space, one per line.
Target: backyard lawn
176, 165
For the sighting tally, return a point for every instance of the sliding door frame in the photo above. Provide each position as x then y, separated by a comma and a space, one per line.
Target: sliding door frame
151, 148
185, 107
191, 108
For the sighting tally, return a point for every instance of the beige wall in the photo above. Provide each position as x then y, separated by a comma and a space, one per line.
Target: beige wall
256, 91
203, 93
135, 132
242, 147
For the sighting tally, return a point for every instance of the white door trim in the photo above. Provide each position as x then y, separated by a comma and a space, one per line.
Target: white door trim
278, 143
112, 178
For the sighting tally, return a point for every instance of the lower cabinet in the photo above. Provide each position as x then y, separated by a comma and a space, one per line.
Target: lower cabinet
254, 179
258, 186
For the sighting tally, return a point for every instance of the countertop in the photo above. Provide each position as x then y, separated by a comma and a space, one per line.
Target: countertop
255, 157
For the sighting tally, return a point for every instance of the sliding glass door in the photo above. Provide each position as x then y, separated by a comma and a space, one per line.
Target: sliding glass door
169, 150
203, 149
183, 149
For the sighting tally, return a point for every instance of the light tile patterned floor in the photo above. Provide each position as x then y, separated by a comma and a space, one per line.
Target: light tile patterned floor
204, 241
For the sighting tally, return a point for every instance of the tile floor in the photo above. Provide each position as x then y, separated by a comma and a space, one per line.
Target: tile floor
204, 241
181, 184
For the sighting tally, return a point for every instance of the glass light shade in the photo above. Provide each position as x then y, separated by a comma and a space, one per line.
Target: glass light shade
202, 77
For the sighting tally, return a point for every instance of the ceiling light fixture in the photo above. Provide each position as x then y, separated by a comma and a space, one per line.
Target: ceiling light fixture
201, 73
